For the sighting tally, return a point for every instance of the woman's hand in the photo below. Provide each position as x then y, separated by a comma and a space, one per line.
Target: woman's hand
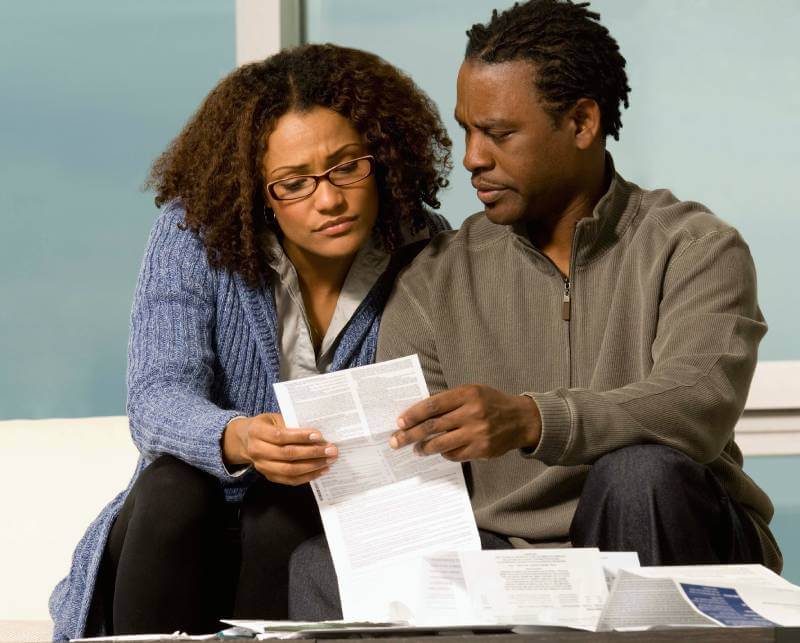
282, 455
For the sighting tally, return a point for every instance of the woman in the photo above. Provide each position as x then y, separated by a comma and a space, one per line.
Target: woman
289, 203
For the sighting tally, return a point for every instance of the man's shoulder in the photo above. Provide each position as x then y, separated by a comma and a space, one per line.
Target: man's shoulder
661, 212
450, 247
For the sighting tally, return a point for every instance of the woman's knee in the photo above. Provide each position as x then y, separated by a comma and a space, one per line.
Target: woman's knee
173, 495
277, 518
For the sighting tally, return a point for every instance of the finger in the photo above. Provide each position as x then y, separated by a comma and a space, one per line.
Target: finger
294, 482
281, 435
293, 452
444, 443
455, 419
427, 429
431, 407
461, 454
290, 470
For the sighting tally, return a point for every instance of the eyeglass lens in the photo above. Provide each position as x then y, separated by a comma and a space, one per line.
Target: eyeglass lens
340, 175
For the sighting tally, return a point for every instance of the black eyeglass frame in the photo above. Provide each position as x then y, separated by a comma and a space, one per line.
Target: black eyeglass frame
270, 187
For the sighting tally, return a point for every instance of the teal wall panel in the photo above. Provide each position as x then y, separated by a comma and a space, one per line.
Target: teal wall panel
713, 112
780, 478
713, 117
92, 91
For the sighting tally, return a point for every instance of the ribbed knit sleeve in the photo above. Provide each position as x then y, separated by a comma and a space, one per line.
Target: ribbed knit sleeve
406, 330
170, 353
704, 354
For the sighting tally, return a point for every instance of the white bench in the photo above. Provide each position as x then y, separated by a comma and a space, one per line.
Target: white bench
56, 475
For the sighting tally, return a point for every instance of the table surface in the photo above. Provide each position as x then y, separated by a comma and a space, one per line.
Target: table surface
691, 635
706, 635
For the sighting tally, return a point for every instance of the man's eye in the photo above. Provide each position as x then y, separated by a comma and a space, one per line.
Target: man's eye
498, 135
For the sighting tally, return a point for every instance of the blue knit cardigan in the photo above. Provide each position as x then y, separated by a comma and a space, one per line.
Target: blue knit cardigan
203, 349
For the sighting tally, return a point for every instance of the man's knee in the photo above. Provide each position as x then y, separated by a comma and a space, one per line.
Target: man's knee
310, 557
313, 590
643, 471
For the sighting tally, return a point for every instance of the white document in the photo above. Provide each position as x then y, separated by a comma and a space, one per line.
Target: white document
382, 509
557, 587
245, 628
613, 561
711, 595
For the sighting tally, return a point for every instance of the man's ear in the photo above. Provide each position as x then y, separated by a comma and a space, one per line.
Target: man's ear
585, 116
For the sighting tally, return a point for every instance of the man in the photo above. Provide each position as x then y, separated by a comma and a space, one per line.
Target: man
588, 344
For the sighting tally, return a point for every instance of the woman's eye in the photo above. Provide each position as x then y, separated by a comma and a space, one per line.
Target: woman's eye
346, 168
294, 185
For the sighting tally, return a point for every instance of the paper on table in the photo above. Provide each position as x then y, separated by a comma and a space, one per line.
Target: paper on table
131, 638
561, 587
613, 561
379, 506
340, 629
729, 595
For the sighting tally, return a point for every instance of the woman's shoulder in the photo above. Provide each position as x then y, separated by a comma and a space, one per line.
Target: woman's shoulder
170, 233
174, 250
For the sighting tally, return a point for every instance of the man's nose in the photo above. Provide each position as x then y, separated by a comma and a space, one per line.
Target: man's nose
476, 155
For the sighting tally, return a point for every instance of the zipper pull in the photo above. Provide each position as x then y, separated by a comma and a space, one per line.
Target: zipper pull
565, 302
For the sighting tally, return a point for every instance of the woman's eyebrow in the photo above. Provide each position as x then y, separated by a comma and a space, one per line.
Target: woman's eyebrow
331, 158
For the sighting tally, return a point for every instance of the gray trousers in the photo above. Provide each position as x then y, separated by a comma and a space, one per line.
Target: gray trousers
650, 499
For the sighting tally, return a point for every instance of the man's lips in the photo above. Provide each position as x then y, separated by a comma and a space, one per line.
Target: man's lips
488, 192
337, 225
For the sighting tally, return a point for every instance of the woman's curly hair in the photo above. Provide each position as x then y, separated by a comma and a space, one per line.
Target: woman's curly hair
214, 165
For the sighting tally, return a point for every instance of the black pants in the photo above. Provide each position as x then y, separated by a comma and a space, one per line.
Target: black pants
649, 499
180, 558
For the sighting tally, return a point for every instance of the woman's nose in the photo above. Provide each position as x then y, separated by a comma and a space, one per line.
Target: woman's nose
328, 197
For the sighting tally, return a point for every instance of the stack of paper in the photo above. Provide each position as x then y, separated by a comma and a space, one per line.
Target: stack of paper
406, 548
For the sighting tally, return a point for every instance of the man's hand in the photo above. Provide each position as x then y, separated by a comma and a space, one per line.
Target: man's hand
471, 422
286, 456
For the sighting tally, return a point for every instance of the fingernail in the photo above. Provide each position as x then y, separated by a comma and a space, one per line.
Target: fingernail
331, 450
401, 423
314, 437
330, 461
393, 442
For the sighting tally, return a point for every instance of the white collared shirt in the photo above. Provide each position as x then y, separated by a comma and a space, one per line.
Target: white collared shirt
296, 348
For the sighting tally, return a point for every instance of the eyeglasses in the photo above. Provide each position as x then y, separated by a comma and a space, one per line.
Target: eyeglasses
347, 173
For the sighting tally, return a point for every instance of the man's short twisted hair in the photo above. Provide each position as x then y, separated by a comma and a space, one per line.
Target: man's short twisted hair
574, 55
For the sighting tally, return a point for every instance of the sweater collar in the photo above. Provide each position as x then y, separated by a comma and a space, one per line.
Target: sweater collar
611, 217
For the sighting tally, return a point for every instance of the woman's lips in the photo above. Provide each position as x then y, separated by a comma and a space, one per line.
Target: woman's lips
338, 226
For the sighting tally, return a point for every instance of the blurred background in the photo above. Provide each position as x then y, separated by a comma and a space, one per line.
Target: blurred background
92, 91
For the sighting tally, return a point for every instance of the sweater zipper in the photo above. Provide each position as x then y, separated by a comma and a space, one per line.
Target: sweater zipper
565, 302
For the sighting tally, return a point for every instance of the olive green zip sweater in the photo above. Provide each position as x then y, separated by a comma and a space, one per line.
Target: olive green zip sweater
653, 339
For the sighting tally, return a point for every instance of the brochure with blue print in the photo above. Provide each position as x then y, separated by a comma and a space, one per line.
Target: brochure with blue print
700, 595
724, 605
